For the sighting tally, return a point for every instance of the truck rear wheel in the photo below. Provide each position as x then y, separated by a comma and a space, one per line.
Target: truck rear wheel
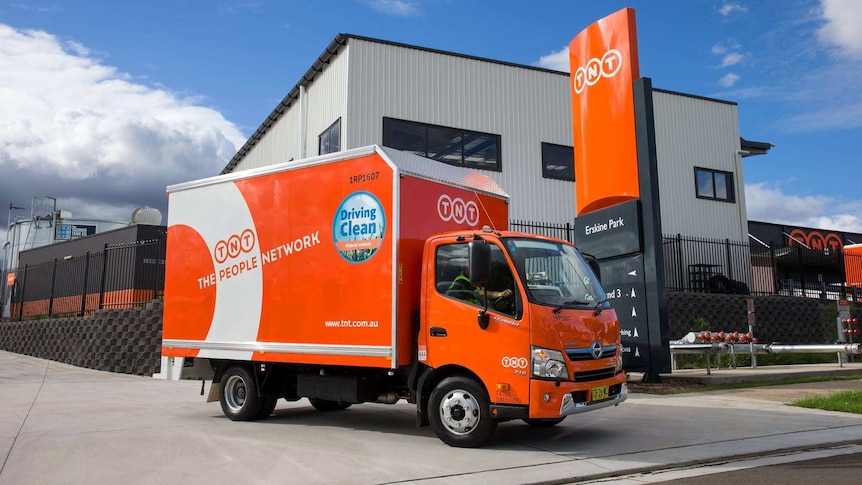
238, 395
327, 405
459, 411
267, 407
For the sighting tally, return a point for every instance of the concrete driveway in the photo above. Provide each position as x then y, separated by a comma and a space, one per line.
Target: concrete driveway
62, 424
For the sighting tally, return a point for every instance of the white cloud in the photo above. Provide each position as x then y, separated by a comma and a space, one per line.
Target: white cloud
732, 59
729, 52
768, 203
728, 80
843, 27
396, 8
729, 8
557, 60
80, 131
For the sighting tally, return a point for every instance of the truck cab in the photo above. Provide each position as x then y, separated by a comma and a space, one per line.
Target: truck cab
531, 336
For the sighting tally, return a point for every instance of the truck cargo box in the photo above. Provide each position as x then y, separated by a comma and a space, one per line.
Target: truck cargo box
316, 261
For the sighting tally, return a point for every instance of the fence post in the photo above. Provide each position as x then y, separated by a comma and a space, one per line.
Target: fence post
800, 270
729, 259
842, 263
157, 267
679, 263
776, 281
21, 298
51, 293
85, 290
104, 273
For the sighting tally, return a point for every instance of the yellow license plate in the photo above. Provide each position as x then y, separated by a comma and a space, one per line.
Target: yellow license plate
600, 393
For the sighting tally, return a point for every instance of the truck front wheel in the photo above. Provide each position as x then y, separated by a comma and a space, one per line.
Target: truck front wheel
459, 411
238, 395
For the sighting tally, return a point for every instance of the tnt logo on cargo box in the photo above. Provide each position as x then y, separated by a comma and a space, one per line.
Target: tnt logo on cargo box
234, 246
457, 211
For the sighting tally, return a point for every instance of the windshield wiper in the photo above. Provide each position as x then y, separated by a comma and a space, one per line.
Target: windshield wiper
598, 307
569, 304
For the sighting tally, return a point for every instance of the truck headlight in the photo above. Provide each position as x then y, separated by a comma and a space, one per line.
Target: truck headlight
549, 364
619, 367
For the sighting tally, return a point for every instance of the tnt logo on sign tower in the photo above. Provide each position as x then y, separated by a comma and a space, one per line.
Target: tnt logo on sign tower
596, 69
603, 60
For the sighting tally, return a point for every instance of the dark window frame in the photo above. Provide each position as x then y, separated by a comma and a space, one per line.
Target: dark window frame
442, 156
327, 134
549, 174
729, 187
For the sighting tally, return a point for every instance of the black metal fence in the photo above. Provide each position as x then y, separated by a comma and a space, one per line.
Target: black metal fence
565, 231
716, 266
725, 266
119, 276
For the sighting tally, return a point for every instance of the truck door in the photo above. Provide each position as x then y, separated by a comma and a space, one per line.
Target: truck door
499, 354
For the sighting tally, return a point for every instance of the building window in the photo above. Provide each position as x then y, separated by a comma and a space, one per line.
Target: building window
558, 162
714, 185
330, 139
454, 146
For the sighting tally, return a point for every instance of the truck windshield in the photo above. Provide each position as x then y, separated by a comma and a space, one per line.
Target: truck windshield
555, 274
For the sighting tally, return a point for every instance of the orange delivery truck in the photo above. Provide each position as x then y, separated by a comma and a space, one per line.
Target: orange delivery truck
375, 275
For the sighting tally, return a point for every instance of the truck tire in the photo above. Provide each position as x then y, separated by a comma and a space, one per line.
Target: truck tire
327, 405
238, 395
460, 413
544, 422
267, 407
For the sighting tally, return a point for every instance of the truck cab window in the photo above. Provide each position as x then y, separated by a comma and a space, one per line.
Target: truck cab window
453, 279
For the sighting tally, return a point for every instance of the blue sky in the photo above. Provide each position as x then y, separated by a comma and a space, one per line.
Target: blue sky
104, 103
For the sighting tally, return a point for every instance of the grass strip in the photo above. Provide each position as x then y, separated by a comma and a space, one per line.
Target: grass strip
844, 401
678, 386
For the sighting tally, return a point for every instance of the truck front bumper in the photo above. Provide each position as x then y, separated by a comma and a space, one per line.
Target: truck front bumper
550, 399
571, 404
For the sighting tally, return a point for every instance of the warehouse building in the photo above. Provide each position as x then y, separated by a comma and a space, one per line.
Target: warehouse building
512, 122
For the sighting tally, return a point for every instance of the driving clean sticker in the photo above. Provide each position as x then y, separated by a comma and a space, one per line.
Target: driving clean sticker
359, 226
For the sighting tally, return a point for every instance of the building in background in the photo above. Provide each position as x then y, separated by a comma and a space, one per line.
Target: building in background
512, 122
49, 226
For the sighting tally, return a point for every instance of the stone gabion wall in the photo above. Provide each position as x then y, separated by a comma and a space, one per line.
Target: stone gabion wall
784, 319
125, 341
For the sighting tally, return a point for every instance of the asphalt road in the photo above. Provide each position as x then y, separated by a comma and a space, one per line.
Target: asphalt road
794, 468
62, 424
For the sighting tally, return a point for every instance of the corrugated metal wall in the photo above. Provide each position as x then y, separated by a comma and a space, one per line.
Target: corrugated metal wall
367, 81
524, 106
694, 132
326, 99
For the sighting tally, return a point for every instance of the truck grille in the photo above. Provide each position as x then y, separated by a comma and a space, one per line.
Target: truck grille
585, 353
593, 375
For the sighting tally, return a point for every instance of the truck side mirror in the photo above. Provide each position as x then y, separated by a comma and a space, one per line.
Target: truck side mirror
480, 262
594, 265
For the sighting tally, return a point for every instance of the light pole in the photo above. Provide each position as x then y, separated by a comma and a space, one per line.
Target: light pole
7, 263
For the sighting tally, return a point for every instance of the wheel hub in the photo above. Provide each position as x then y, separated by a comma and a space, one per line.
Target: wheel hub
235, 393
459, 412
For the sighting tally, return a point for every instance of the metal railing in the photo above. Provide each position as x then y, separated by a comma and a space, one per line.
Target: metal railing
725, 266
702, 265
565, 231
119, 276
